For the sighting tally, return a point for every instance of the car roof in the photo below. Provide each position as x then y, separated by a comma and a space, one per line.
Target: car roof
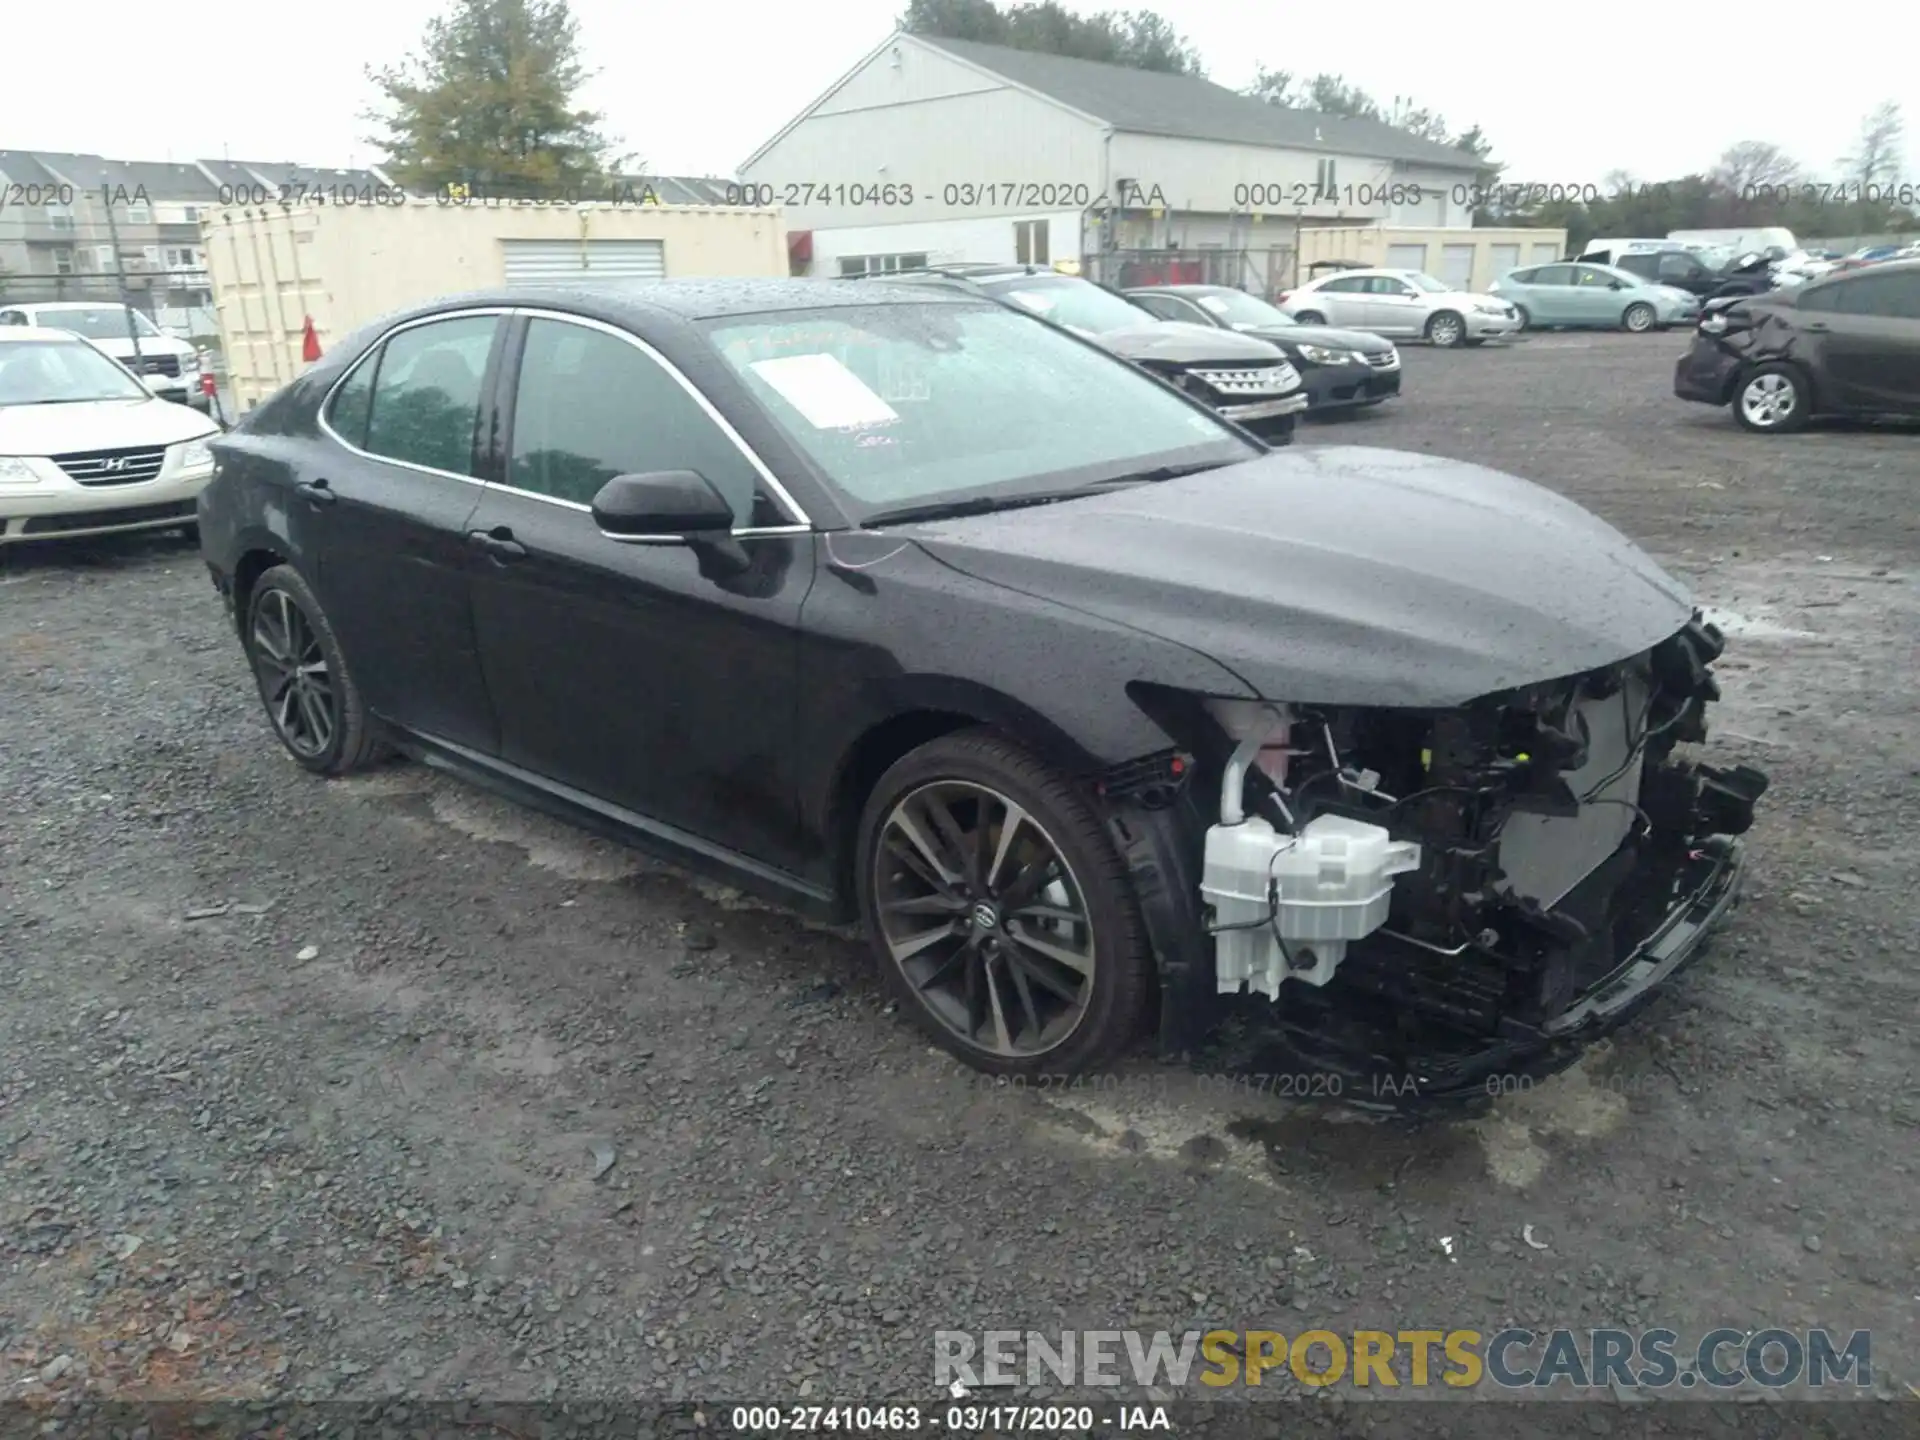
42, 333
66, 305
1191, 289
642, 301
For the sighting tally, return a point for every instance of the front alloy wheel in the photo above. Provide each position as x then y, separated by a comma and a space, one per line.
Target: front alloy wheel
1446, 329
999, 911
1772, 400
1639, 318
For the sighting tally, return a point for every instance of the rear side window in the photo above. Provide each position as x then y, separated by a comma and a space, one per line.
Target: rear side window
351, 404
1553, 275
1645, 266
1867, 295
426, 393
1346, 285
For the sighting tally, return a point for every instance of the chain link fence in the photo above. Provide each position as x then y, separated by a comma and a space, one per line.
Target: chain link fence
1264, 272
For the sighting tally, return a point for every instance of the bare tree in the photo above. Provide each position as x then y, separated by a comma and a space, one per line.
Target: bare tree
1418, 120
1276, 87
1754, 164
1876, 154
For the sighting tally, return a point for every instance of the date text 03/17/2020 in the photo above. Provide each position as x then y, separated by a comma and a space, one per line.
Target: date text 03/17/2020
965, 1416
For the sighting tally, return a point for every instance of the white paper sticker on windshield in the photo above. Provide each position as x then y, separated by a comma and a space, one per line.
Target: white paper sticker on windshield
1032, 300
829, 395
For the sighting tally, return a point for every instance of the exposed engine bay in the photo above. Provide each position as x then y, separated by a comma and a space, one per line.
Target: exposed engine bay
1434, 889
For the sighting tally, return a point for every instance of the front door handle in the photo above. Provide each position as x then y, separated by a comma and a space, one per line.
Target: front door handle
498, 543
318, 492
1817, 325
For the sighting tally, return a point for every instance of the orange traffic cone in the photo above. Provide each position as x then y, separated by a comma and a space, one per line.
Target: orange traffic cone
310, 344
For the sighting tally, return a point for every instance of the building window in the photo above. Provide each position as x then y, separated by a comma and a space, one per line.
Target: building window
139, 212
103, 256
183, 258
191, 212
1030, 242
59, 217
1326, 181
63, 261
851, 265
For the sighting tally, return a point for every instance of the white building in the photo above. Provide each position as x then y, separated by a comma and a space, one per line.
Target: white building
934, 150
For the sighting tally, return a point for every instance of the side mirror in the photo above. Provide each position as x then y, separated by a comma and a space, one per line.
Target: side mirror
666, 503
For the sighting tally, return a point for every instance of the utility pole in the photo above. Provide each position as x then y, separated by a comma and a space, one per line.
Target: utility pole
120, 276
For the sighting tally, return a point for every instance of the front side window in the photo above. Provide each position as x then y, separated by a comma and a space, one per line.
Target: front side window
1645, 266
1595, 279
56, 372
912, 404
1431, 284
426, 394
591, 405
1388, 285
1346, 285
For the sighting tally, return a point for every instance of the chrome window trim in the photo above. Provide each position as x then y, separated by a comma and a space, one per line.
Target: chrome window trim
779, 491
326, 401
802, 525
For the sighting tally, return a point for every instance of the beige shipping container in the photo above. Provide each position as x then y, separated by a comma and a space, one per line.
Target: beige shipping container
1469, 258
273, 268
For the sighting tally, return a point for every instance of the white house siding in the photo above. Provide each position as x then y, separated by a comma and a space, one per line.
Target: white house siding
1207, 176
929, 123
974, 240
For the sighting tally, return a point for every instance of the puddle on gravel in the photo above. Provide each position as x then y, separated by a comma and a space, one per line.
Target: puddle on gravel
1754, 627
1185, 1121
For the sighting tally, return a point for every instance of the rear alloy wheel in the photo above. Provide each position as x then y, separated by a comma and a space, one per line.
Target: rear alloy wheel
1639, 317
1772, 400
310, 697
1446, 330
998, 910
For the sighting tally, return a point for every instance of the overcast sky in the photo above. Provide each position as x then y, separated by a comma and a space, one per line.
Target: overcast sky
695, 88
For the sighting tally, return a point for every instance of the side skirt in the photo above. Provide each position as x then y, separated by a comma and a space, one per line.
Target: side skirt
614, 822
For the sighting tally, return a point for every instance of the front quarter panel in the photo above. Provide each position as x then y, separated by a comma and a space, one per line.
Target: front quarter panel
888, 631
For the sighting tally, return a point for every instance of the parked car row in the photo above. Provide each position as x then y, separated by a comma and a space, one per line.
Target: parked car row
166, 364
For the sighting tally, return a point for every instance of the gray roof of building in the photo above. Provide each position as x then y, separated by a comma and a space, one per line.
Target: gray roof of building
682, 189
1149, 102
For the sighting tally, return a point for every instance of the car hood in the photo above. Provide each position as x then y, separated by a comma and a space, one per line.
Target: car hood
98, 425
1341, 574
1176, 342
1361, 340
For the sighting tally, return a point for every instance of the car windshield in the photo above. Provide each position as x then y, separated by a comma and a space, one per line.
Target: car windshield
61, 372
1079, 303
1428, 283
903, 405
99, 322
1238, 308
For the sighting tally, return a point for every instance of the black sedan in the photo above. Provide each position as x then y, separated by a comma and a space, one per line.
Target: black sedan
1094, 711
1847, 344
1342, 369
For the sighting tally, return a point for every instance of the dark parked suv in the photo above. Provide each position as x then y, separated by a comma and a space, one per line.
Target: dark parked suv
1846, 344
1247, 380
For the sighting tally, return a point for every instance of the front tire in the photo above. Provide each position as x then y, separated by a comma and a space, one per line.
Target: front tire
1311, 317
998, 911
1638, 318
1524, 319
309, 693
1773, 400
1446, 330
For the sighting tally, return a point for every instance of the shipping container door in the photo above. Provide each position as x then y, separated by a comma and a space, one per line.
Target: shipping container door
1406, 257
568, 262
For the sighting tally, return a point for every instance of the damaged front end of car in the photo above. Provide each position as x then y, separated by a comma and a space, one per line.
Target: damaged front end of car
1437, 896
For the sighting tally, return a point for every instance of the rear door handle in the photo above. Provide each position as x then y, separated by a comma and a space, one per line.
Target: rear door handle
1819, 325
318, 492
498, 543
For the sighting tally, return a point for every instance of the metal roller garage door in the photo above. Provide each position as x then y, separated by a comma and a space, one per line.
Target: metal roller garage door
567, 262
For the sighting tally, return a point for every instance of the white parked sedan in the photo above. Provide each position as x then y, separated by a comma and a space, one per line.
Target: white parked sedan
1407, 303
85, 448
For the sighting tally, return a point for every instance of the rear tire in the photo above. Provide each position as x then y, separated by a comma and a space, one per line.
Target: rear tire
309, 693
998, 911
1772, 400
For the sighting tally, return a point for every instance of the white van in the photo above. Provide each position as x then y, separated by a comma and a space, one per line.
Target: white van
1758, 240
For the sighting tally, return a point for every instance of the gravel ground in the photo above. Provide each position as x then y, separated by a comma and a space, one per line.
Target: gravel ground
383, 1086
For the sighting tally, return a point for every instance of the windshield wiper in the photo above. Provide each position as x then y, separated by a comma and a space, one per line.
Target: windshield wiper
953, 509
1159, 473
